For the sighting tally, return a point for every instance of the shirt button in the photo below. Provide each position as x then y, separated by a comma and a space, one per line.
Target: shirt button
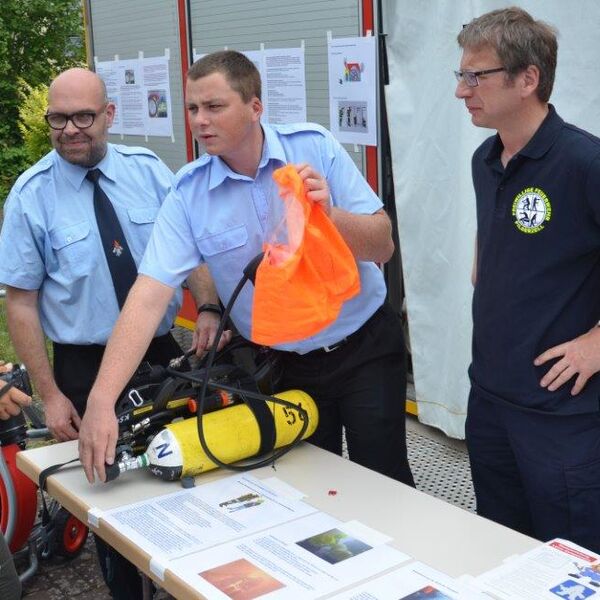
69, 239
500, 187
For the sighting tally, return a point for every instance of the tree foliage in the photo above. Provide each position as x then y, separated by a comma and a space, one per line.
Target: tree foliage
31, 120
38, 39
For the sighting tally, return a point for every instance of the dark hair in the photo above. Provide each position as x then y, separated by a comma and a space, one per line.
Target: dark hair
519, 41
239, 70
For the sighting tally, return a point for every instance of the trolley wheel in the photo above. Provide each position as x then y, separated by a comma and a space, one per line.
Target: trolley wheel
70, 534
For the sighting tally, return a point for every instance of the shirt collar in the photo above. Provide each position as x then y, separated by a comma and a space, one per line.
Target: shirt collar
272, 150
75, 174
539, 144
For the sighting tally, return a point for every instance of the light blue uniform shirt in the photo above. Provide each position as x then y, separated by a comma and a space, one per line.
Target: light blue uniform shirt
220, 217
50, 240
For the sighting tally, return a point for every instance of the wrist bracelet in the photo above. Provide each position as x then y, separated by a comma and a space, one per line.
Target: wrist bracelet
214, 308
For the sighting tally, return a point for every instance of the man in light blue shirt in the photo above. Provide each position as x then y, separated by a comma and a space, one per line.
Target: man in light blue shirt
55, 268
48, 241
50, 254
222, 219
218, 214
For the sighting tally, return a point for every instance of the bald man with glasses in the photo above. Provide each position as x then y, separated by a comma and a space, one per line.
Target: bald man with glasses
76, 225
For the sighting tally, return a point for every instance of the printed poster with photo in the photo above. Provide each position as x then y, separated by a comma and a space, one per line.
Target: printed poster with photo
140, 91
186, 521
415, 581
353, 90
158, 115
109, 73
303, 559
283, 82
557, 569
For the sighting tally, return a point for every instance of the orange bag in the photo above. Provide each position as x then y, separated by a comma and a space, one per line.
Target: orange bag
307, 272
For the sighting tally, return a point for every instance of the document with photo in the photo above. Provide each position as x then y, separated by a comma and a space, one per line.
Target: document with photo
415, 581
306, 558
554, 570
176, 524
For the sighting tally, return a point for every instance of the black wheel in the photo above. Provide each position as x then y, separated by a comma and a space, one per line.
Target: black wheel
70, 535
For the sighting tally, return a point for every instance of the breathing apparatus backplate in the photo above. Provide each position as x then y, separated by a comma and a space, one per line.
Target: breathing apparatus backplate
162, 396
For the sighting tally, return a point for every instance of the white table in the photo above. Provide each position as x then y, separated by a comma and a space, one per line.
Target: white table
447, 538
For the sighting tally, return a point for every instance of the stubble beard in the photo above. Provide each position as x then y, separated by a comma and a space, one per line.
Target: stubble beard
94, 154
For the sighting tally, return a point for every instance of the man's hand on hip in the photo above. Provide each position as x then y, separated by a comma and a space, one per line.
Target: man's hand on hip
61, 417
580, 357
97, 439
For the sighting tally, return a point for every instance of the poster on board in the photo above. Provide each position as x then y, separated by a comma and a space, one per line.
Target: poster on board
109, 73
140, 91
353, 90
258, 58
283, 82
284, 87
158, 115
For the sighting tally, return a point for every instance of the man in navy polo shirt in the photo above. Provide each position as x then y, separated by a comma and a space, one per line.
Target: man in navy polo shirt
533, 424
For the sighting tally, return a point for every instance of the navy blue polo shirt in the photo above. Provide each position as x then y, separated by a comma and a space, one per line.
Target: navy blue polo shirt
538, 263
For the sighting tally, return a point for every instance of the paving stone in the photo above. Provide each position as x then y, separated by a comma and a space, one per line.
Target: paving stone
58, 578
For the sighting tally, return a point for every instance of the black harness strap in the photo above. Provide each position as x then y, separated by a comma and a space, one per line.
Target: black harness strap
266, 424
43, 476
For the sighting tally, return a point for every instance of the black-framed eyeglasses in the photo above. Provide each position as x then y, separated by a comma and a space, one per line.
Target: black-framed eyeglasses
471, 77
81, 120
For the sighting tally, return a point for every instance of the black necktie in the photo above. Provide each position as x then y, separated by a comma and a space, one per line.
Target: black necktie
118, 256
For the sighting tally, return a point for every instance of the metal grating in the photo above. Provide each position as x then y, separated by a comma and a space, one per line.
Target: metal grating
440, 470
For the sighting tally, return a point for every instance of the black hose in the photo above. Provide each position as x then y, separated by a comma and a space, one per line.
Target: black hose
248, 274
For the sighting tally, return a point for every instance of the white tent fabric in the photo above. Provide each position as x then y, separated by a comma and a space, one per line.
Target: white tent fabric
432, 143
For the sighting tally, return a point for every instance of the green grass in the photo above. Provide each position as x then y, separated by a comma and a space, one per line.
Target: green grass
7, 352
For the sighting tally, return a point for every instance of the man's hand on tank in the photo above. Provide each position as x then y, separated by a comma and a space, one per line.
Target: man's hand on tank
97, 440
580, 357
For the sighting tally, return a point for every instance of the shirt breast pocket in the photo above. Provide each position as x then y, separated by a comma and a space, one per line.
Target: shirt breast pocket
139, 228
72, 246
226, 250
143, 216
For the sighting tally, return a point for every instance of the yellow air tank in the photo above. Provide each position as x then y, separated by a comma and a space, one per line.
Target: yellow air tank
231, 434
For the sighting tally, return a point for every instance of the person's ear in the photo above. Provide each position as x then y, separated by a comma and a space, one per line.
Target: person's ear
257, 108
110, 113
530, 79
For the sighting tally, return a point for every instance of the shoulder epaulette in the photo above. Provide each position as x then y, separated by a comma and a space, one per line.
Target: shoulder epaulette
134, 150
191, 167
291, 128
41, 166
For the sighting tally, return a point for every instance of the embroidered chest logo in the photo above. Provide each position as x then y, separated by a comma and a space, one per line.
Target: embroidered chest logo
117, 249
531, 210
